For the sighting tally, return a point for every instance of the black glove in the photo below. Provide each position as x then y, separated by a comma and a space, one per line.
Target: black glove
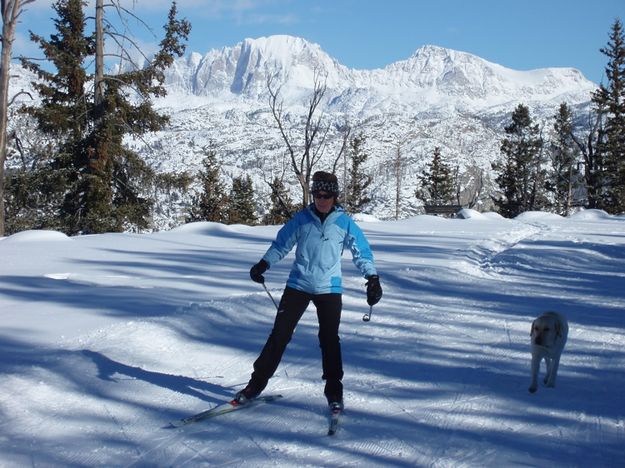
256, 272
374, 290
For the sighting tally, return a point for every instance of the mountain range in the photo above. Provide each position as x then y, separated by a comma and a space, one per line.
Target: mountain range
435, 98
432, 76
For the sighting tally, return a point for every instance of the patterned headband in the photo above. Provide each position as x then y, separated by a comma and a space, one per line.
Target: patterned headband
325, 186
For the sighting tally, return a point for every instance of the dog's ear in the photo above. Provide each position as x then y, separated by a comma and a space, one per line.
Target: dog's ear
532, 329
558, 326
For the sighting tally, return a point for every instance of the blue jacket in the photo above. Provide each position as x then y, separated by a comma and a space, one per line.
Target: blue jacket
317, 265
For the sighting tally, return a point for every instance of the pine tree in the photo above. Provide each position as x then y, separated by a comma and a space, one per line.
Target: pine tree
63, 114
32, 192
116, 176
104, 180
241, 209
437, 182
520, 174
355, 197
64, 98
563, 179
610, 101
32, 199
210, 203
282, 206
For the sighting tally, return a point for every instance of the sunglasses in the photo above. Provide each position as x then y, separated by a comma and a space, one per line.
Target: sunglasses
325, 196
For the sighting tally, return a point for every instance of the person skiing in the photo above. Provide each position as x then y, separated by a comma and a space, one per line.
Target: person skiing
321, 231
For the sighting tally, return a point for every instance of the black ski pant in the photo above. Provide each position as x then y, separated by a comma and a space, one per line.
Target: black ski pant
290, 311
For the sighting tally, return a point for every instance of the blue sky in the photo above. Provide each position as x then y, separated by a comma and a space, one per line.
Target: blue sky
368, 34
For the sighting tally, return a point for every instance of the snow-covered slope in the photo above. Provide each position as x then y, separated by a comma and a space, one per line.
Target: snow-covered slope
104, 339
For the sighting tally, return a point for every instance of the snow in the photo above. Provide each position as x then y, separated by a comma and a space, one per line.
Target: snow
467, 213
364, 217
106, 338
37, 236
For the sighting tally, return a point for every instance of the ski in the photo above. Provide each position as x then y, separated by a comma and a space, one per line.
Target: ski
224, 408
335, 415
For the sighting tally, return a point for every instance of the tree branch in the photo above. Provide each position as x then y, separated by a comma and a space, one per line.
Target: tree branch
19, 94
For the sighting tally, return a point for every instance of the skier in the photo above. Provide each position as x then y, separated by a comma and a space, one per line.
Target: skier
321, 231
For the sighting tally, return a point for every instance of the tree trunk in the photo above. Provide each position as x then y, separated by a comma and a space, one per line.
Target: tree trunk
398, 180
99, 53
569, 192
11, 10
589, 147
8, 30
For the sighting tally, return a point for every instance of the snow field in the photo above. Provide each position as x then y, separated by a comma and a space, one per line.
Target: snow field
105, 339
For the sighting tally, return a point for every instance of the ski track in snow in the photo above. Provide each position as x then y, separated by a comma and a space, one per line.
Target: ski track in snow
109, 340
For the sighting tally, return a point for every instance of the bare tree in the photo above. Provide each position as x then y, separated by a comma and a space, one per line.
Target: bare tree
315, 132
398, 172
11, 11
588, 145
104, 30
345, 129
98, 96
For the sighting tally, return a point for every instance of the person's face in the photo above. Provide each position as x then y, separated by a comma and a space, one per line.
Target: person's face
323, 201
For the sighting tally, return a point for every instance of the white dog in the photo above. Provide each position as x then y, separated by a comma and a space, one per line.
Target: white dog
548, 337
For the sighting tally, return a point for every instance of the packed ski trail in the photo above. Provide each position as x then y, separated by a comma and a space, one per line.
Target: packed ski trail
106, 339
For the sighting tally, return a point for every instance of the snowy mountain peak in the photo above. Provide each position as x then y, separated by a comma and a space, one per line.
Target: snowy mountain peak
292, 59
243, 69
461, 74
282, 48
434, 61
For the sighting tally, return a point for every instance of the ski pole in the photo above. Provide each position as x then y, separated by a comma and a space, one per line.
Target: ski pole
270, 296
367, 317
